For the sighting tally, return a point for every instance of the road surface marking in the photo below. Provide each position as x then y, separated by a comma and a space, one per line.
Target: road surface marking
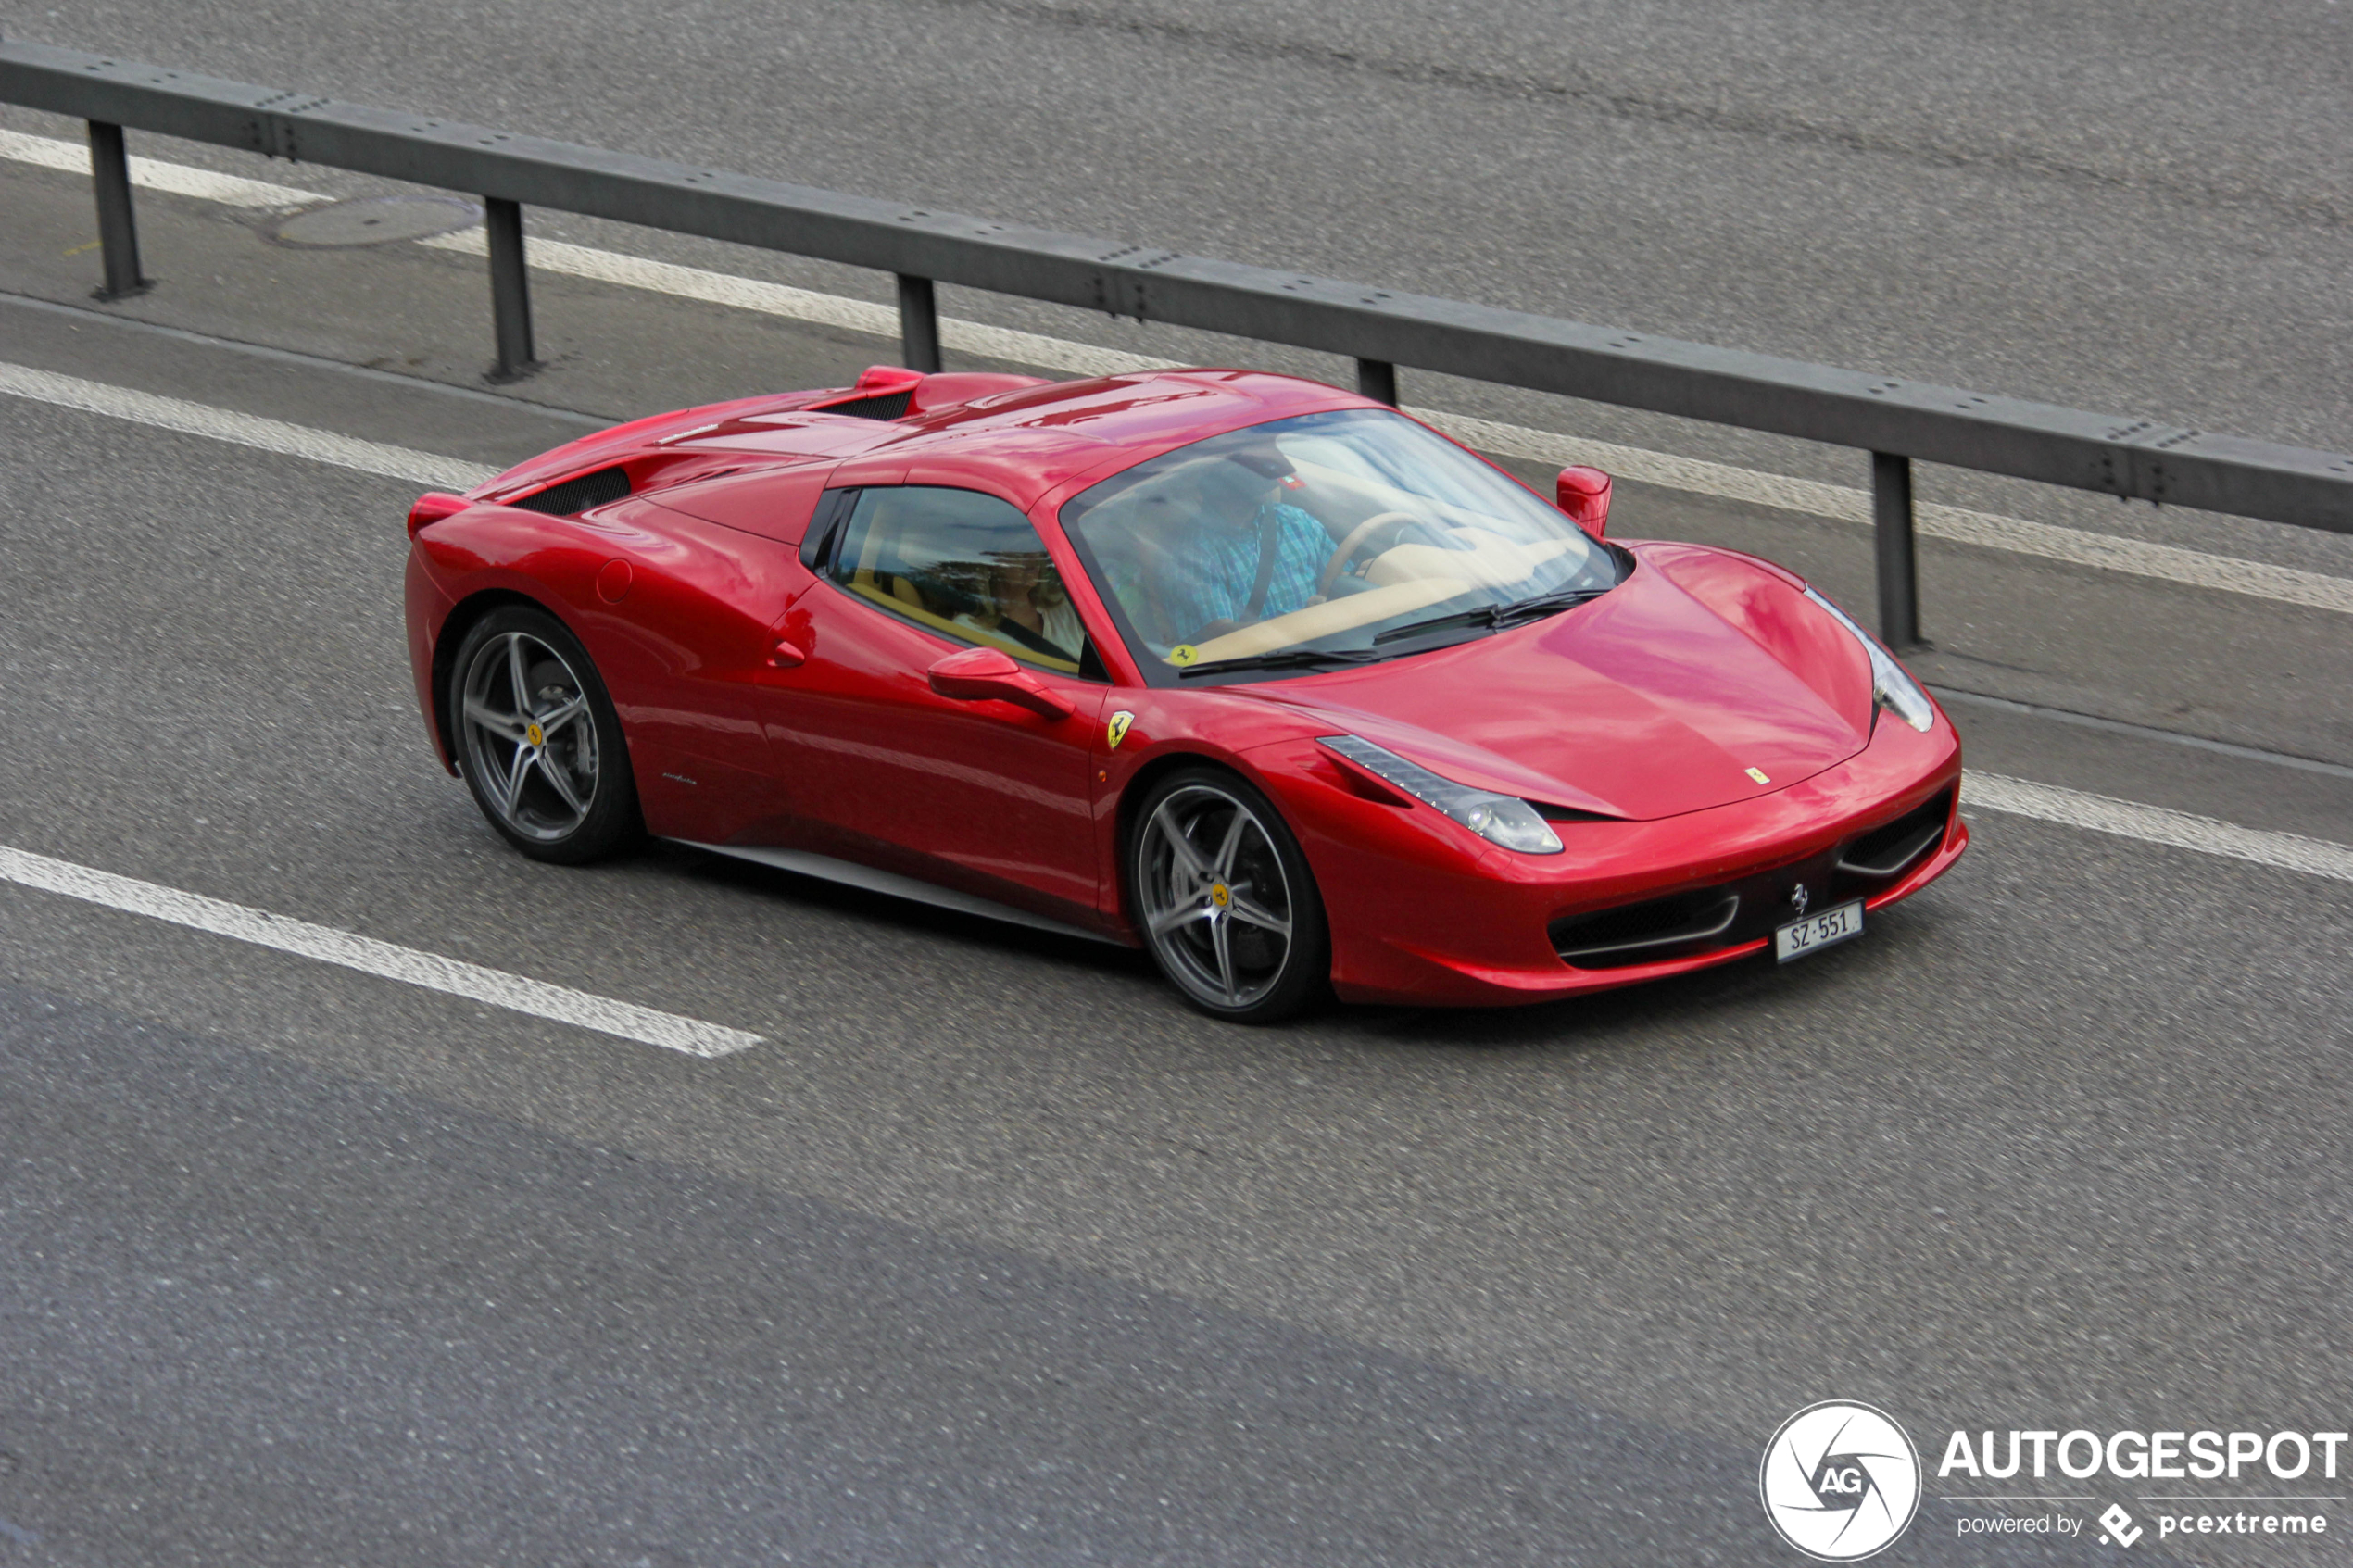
243, 430
366, 954
2157, 824
1838, 503
73, 157
806, 305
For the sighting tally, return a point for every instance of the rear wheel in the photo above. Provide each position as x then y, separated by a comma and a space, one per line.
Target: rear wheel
1224, 898
538, 740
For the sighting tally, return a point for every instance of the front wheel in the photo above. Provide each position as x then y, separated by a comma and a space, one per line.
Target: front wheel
1224, 898
538, 740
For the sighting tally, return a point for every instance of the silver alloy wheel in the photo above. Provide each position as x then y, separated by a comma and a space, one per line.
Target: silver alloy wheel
1217, 908
530, 737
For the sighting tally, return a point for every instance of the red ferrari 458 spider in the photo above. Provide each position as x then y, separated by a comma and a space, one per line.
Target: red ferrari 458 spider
1261, 676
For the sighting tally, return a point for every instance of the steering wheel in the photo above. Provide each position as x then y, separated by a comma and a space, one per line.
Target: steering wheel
1353, 543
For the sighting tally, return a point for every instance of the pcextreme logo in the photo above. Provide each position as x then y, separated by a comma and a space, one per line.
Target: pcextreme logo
1840, 1481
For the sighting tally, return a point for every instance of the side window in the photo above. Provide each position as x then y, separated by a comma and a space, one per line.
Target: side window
964, 564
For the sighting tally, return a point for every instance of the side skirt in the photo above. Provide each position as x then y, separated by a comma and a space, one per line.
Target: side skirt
851, 874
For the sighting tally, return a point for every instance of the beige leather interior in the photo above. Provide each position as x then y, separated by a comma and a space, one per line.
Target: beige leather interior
1492, 562
1332, 615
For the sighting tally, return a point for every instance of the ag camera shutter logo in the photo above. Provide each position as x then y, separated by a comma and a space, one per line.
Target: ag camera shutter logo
1840, 1481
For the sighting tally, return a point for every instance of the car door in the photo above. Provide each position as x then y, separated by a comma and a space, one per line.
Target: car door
984, 795
679, 618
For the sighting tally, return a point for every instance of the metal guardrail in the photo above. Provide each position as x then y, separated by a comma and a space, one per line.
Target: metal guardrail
1897, 421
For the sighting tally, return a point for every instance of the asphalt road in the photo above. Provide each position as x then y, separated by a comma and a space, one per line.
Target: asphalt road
995, 1253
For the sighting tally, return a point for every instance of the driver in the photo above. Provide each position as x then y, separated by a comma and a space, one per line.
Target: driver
1245, 553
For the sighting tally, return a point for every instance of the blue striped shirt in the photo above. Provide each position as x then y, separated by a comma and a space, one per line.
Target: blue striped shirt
1220, 565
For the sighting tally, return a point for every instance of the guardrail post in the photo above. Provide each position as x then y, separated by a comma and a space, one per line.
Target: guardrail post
1899, 582
918, 325
117, 234
1377, 379
510, 290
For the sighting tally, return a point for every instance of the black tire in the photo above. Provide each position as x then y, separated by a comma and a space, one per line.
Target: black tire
536, 737
1212, 924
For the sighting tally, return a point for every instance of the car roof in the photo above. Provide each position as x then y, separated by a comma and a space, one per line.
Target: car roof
1026, 443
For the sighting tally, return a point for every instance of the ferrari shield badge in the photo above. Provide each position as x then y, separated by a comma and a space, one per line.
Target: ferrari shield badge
1758, 774
1117, 730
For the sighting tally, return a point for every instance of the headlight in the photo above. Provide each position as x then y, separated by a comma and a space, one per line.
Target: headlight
1891, 688
1500, 818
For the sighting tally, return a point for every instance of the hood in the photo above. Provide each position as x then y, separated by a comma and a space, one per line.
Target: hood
1657, 700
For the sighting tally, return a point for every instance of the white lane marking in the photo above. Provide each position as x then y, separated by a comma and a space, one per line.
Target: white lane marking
1838, 503
2157, 824
244, 430
366, 954
73, 157
806, 305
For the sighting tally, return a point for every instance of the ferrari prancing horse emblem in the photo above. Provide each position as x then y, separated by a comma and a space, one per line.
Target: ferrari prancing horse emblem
535, 735
1758, 774
1117, 730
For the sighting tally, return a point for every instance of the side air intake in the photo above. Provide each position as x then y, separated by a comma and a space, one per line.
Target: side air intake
578, 494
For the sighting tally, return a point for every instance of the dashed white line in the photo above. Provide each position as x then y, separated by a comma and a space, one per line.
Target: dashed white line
1837, 503
243, 430
2157, 824
384, 959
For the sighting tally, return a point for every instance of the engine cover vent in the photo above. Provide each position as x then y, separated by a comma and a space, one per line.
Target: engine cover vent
579, 492
885, 406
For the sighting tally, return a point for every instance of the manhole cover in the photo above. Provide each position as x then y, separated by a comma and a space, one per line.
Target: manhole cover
375, 220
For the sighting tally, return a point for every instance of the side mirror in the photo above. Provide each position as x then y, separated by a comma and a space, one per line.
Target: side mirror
1584, 495
986, 675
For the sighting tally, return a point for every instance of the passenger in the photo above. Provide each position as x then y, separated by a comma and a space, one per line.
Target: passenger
1031, 596
1030, 607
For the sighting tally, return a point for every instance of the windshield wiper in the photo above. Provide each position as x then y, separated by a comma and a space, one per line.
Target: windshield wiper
1547, 603
1285, 658
1495, 617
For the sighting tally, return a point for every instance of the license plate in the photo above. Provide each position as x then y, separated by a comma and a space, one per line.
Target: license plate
1800, 937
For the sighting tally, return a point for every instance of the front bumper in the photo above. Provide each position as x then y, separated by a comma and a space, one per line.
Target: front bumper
1420, 914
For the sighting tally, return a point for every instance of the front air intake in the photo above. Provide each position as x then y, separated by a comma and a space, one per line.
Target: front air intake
1638, 934
1896, 847
578, 494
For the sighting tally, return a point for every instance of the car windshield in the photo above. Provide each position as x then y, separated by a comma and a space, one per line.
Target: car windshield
1331, 538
